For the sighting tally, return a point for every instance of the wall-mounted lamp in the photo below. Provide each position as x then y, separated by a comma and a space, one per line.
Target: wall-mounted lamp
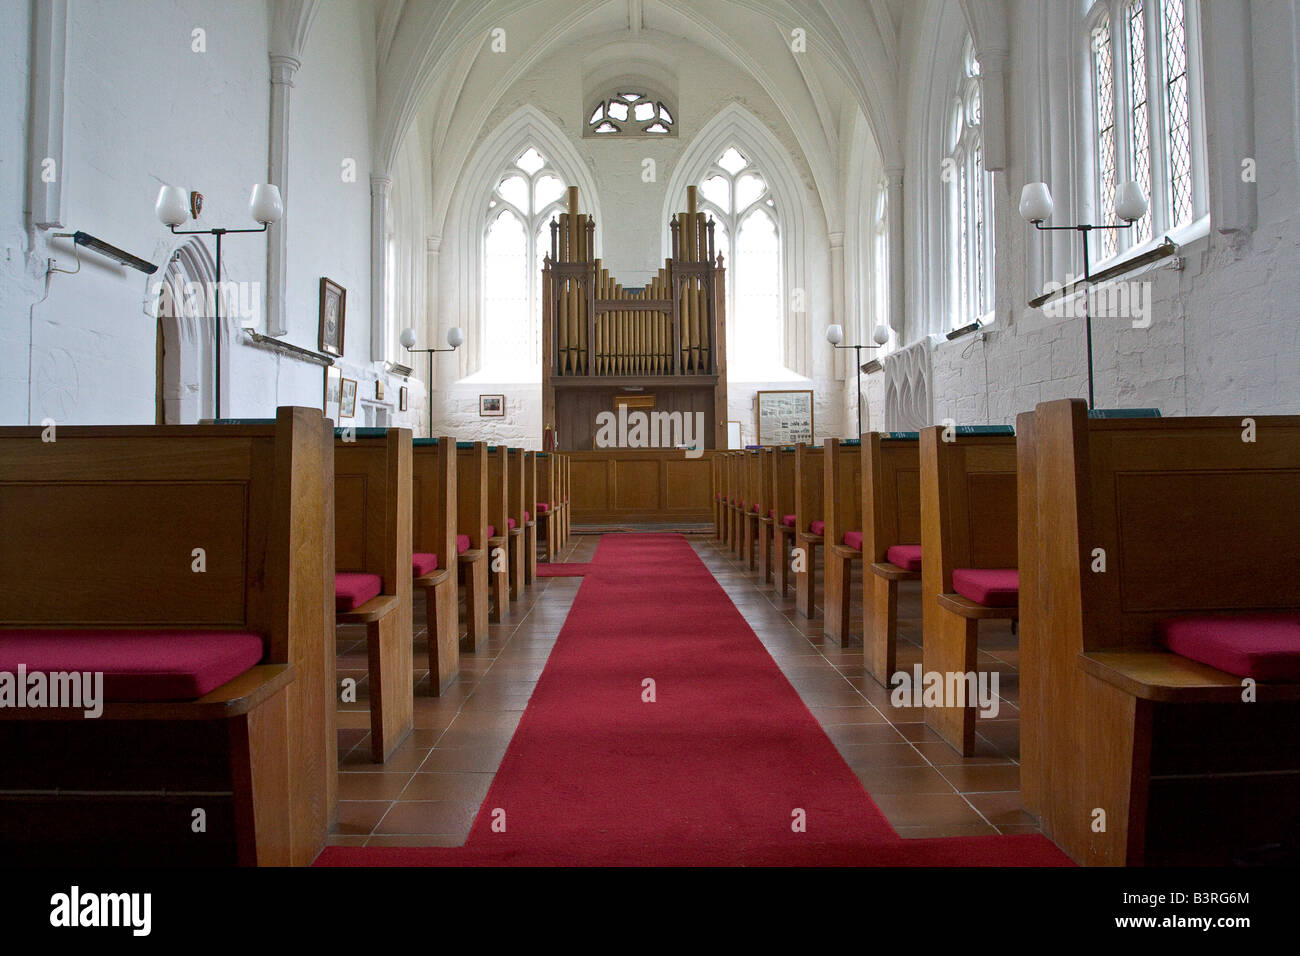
1036, 207
120, 256
175, 205
455, 338
835, 335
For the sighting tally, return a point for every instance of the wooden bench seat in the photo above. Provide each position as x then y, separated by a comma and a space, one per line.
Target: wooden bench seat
517, 517
968, 523
842, 500
472, 539
372, 549
244, 554
783, 504
531, 517
809, 523
498, 531
434, 515
1139, 523
547, 494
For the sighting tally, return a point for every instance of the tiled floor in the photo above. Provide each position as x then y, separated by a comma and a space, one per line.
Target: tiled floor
429, 791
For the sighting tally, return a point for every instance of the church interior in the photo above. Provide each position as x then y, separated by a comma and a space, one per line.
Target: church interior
688, 433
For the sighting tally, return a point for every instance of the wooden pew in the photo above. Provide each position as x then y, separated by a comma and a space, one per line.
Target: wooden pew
547, 494
809, 524
891, 541
1189, 762
434, 553
530, 516
498, 510
255, 748
718, 481
752, 485
515, 521
968, 529
842, 497
766, 510
736, 476
372, 552
783, 517
566, 513
472, 538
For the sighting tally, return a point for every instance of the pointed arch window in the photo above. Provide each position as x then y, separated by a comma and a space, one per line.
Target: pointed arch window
970, 201
516, 238
747, 232
1145, 82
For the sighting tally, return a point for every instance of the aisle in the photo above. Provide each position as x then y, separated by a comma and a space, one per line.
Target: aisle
719, 769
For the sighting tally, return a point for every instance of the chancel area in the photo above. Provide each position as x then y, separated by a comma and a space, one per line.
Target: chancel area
650, 432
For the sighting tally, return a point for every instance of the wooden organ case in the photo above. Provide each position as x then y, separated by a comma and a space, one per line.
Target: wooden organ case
665, 342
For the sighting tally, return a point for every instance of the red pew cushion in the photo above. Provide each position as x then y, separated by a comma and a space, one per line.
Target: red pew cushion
543, 507
1265, 647
817, 527
853, 539
756, 509
527, 516
137, 665
788, 521
422, 564
462, 543
992, 587
771, 512
510, 524
905, 556
353, 589
492, 531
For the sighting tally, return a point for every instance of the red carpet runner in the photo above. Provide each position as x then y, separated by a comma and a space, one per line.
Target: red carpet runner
711, 773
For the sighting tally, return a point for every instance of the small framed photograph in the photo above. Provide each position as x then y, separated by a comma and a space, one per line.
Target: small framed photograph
348, 398
330, 405
402, 399
333, 311
492, 406
379, 389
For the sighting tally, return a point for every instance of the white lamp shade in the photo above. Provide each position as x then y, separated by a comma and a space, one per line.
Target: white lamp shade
881, 334
173, 205
1130, 202
1036, 202
264, 205
407, 338
455, 336
834, 334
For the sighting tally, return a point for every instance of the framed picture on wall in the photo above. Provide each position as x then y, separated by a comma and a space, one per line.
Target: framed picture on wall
348, 398
492, 406
402, 399
330, 405
785, 417
333, 312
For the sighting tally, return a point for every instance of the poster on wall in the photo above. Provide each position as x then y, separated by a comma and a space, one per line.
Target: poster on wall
785, 417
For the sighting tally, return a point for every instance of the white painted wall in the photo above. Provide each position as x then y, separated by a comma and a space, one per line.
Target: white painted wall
143, 108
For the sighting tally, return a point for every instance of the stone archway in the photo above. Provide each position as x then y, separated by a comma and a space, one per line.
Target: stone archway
184, 365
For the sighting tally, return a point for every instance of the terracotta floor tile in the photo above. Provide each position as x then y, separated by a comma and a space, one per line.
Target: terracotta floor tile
465, 760
1002, 809
360, 817
372, 786
990, 778
902, 780
467, 787
429, 816
926, 809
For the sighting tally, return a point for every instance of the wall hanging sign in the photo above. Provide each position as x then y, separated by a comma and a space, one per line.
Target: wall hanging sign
785, 417
331, 403
492, 406
348, 398
333, 311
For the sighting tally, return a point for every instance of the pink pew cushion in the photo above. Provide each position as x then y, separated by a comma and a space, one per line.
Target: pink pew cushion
788, 521
462, 543
422, 564
1265, 647
992, 587
353, 589
771, 512
527, 516
510, 524
137, 665
543, 507
905, 556
817, 527
756, 509
492, 531
853, 539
